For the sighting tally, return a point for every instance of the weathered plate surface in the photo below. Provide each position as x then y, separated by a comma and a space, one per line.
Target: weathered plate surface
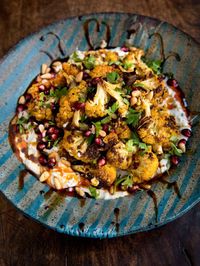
97, 218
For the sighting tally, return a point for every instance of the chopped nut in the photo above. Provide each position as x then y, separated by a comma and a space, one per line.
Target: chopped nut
95, 182
103, 44
44, 176
80, 192
79, 77
133, 100
65, 162
44, 68
57, 66
102, 133
22, 100
150, 95
46, 76
41, 128
136, 93
158, 148
57, 183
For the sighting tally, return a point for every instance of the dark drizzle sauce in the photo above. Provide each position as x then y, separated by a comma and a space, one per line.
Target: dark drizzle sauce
22, 175
117, 225
48, 194
154, 197
171, 184
82, 202
81, 226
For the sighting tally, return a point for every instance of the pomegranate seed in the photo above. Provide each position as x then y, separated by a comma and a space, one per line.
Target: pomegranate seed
98, 141
186, 132
53, 130
101, 161
88, 133
124, 49
78, 105
47, 91
95, 81
28, 97
54, 107
42, 88
105, 127
174, 160
86, 75
54, 136
21, 107
172, 83
51, 162
41, 146
43, 160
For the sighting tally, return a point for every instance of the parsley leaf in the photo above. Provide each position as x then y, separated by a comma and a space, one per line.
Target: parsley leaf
113, 108
106, 120
155, 65
125, 181
20, 122
75, 57
112, 77
94, 192
175, 150
133, 117
89, 62
58, 93
118, 63
98, 127
90, 139
127, 65
139, 84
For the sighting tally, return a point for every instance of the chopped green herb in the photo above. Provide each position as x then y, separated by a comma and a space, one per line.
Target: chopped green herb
90, 139
112, 77
155, 65
128, 182
20, 122
126, 101
118, 63
175, 150
133, 117
82, 99
89, 62
98, 127
128, 90
130, 145
113, 108
139, 84
58, 93
94, 192
56, 142
83, 118
106, 120
75, 57
127, 64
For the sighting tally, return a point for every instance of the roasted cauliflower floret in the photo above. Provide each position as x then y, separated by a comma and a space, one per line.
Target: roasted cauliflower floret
77, 146
110, 139
70, 69
76, 93
122, 130
101, 71
111, 56
65, 113
97, 107
106, 174
111, 89
144, 167
158, 129
119, 157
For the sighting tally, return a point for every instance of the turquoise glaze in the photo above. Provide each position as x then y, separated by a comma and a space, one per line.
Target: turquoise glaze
98, 218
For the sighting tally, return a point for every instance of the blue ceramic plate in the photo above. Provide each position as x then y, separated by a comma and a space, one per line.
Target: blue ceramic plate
99, 218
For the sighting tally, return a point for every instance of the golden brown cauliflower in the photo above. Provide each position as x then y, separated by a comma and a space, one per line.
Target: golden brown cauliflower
119, 157
75, 93
144, 167
158, 129
122, 130
65, 113
70, 69
97, 106
106, 174
101, 71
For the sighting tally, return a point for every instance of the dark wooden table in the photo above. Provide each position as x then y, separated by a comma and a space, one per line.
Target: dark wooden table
24, 242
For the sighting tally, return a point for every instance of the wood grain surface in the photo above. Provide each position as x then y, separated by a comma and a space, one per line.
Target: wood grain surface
24, 242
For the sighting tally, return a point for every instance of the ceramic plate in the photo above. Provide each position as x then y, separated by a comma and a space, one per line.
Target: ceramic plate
90, 217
